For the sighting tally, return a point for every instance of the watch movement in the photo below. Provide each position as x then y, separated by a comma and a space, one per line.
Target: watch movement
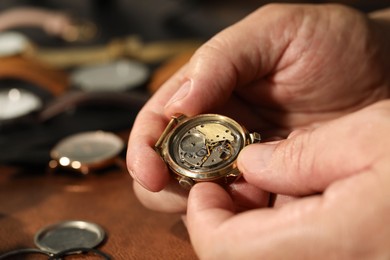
203, 148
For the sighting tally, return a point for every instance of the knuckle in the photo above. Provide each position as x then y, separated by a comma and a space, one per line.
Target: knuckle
298, 163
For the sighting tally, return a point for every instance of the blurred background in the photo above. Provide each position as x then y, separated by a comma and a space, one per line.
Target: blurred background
161, 19
72, 66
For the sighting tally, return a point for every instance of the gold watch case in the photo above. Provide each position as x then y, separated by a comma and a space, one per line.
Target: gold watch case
203, 148
86, 151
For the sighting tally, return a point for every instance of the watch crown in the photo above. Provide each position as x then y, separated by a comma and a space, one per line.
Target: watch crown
186, 182
254, 137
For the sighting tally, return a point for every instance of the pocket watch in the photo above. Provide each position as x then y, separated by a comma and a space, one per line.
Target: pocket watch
203, 148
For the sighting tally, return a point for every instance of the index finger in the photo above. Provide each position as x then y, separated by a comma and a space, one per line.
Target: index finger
143, 163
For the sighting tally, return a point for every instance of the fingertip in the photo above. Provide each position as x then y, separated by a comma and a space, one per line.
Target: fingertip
247, 196
148, 169
206, 83
172, 199
209, 205
179, 95
143, 162
184, 220
253, 161
207, 195
198, 94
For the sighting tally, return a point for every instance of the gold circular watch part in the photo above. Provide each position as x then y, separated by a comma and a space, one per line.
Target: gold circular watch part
85, 151
204, 148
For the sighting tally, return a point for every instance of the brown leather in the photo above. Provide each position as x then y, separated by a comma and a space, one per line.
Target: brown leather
18, 67
31, 200
164, 72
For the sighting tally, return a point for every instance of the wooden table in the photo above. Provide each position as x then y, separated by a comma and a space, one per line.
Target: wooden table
33, 199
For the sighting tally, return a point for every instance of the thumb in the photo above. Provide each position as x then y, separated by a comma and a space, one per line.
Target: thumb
310, 160
239, 55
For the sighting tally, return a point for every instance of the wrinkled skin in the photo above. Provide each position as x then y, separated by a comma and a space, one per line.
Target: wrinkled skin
316, 74
346, 216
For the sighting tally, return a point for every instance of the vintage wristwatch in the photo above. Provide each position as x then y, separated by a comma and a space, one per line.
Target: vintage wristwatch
14, 43
16, 102
20, 102
86, 151
203, 148
119, 76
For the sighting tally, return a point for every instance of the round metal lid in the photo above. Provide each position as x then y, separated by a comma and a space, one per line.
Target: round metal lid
68, 235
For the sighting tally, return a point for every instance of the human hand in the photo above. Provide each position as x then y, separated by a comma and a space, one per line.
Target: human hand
283, 67
343, 165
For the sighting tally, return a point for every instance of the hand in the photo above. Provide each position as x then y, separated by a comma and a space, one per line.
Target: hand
344, 165
283, 67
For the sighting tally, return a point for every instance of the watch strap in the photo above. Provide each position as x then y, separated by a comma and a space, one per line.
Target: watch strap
16, 67
130, 47
54, 23
128, 101
77, 56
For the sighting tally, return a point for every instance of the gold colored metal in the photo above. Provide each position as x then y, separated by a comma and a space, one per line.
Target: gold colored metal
130, 47
87, 151
174, 121
203, 148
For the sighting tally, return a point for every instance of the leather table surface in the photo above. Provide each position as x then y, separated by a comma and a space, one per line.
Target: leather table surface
32, 200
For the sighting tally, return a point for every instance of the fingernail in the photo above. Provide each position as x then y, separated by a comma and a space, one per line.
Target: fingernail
134, 176
180, 94
255, 158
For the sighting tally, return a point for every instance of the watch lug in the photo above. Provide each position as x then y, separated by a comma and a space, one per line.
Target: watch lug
175, 119
178, 117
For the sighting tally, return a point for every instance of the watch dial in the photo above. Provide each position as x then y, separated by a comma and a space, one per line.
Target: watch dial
16, 102
206, 145
120, 75
12, 43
